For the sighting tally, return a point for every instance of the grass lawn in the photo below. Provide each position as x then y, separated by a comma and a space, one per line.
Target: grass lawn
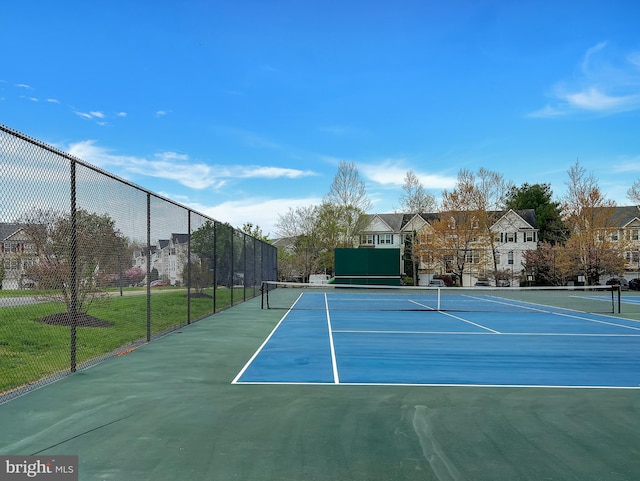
31, 350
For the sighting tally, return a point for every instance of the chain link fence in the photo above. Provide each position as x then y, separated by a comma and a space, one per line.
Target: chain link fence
93, 266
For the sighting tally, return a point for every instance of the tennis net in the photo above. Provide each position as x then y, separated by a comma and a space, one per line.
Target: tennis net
291, 295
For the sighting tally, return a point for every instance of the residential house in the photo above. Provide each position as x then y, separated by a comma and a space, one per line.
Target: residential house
17, 253
626, 233
168, 258
514, 234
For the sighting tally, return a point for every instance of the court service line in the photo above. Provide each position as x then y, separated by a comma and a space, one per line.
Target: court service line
334, 363
465, 333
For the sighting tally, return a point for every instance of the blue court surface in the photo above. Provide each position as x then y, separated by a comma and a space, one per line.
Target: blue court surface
317, 342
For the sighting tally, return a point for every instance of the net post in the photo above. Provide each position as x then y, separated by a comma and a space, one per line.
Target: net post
264, 295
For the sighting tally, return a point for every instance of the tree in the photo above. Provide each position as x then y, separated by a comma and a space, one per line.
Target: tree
415, 199
134, 275
588, 216
538, 197
634, 192
212, 243
348, 193
254, 231
99, 250
468, 212
301, 225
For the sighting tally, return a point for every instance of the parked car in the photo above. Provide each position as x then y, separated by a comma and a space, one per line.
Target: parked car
482, 284
634, 284
159, 283
437, 283
619, 281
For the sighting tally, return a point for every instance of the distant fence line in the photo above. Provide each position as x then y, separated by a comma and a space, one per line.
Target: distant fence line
93, 265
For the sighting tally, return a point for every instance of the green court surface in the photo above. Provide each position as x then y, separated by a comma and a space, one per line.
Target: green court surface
168, 411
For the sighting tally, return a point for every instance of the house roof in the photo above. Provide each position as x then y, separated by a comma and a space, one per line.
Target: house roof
398, 221
179, 238
7, 230
625, 215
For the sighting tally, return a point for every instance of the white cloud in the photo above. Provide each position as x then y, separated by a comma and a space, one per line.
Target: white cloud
608, 84
392, 173
272, 172
627, 165
90, 115
53, 101
259, 211
594, 100
177, 167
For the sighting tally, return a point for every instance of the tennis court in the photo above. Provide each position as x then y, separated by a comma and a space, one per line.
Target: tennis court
449, 337
170, 411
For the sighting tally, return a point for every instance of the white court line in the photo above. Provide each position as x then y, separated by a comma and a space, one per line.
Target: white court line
255, 354
456, 385
463, 333
334, 363
458, 318
596, 321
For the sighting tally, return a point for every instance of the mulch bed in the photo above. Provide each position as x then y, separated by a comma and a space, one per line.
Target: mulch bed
83, 320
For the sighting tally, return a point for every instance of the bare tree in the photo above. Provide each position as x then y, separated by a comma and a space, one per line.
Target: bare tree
415, 199
589, 218
468, 214
634, 192
348, 194
348, 189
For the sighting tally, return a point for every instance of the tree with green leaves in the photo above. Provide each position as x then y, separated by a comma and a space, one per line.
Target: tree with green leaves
539, 197
254, 231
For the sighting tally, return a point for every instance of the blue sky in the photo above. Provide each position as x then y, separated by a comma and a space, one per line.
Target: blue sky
243, 109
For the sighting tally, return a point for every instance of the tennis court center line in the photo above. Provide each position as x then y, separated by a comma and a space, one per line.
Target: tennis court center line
458, 318
334, 364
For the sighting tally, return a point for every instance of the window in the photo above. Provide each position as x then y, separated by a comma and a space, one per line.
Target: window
385, 239
528, 236
510, 258
366, 239
11, 265
13, 247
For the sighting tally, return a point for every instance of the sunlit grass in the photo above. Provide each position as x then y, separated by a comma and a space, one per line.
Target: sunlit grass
31, 350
